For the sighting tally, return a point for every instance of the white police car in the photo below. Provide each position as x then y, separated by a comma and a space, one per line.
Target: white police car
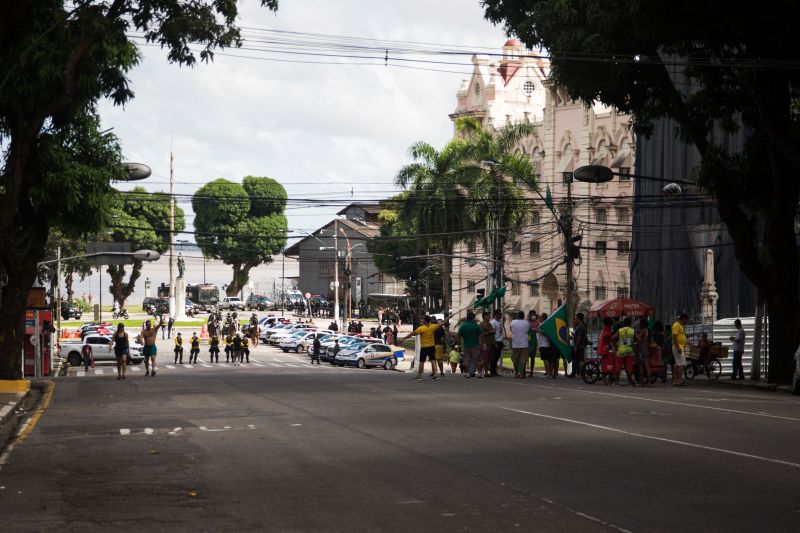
367, 354
301, 341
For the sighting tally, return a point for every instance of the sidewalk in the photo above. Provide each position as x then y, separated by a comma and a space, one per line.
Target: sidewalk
12, 394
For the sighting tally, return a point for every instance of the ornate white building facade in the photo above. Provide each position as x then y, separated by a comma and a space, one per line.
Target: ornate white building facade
568, 135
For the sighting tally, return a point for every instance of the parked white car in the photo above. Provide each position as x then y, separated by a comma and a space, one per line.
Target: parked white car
101, 349
280, 336
302, 342
232, 303
366, 354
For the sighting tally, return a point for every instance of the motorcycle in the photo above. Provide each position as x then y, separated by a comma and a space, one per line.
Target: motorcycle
122, 313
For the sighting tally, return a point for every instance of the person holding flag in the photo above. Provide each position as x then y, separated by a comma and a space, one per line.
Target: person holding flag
555, 331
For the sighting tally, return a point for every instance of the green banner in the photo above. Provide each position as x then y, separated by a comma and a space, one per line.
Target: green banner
556, 328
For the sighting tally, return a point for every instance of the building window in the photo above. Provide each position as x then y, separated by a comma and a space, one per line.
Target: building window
623, 247
599, 293
536, 248
326, 268
600, 248
567, 177
624, 174
477, 89
535, 218
623, 215
528, 88
471, 247
622, 292
515, 289
470, 286
601, 216
516, 247
534, 289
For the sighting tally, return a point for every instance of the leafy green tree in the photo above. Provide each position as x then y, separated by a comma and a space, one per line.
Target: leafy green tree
142, 219
57, 59
436, 199
69, 269
398, 238
707, 69
499, 173
242, 225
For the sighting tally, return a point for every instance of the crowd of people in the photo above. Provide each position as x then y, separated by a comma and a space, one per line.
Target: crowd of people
640, 349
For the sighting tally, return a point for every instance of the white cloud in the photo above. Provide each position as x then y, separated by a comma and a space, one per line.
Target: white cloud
318, 129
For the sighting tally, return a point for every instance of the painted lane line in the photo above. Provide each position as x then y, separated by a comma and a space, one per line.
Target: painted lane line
149, 431
174, 431
171, 367
257, 364
279, 361
135, 368
188, 366
80, 373
124, 431
254, 360
659, 439
273, 364
291, 365
684, 404
223, 364
205, 365
98, 371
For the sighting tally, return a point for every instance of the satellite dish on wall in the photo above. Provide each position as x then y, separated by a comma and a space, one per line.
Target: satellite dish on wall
137, 171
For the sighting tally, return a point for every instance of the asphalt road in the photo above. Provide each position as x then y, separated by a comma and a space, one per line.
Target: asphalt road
285, 446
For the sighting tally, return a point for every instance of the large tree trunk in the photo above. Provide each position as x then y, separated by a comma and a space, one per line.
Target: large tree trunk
121, 291
68, 279
241, 275
21, 276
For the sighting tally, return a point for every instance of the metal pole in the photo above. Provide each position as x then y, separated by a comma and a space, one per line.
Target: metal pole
171, 238
37, 347
336, 274
570, 256
58, 294
283, 281
100, 291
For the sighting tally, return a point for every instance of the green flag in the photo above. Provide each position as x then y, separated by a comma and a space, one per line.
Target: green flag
487, 300
548, 199
556, 328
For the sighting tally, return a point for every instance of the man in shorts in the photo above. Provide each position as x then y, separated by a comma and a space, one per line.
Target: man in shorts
427, 350
469, 334
148, 335
679, 349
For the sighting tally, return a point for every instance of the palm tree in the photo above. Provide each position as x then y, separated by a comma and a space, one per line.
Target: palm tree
437, 199
497, 204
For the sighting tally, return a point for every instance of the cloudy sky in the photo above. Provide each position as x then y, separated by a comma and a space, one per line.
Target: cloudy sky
322, 127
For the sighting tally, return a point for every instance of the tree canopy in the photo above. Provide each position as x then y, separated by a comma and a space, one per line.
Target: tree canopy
243, 225
57, 59
142, 219
707, 69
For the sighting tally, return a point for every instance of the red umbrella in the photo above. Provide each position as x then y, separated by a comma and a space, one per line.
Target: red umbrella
621, 307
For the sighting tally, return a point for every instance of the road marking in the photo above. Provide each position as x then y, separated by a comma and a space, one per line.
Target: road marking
135, 368
98, 371
257, 364
291, 365
149, 431
734, 411
174, 431
273, 364
124, 431
279, 361
251, 426
205, 365
188, 366
171, 367
659, 439
254, 360
80, 373
223, 364
203, 428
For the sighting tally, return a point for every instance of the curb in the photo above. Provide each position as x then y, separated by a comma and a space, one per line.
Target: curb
758, 385
15, 385
8, 410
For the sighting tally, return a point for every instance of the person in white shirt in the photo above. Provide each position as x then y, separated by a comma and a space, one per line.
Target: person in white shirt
519, 344
499, 338
737, 346
546, 351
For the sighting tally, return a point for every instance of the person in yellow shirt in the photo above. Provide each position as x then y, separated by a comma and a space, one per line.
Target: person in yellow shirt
427, 344
679, 349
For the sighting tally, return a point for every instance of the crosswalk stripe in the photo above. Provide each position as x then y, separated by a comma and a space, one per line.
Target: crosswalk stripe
135, 368
205, 365
273, 364
188, 366
81, 373
257, 364
171, 367
98, 371
291, 365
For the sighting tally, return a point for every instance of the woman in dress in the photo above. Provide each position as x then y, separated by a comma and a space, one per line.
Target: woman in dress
121, 350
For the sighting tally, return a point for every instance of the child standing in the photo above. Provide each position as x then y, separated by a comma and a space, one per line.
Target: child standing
455, 358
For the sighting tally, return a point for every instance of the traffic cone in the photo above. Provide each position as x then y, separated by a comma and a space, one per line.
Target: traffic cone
204, 332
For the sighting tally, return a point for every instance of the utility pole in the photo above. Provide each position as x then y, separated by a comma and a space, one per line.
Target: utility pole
336, 274
283, 280
171, 239
58, 293
570, 259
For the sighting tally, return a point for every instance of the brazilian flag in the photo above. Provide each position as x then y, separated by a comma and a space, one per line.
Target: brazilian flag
556, 328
